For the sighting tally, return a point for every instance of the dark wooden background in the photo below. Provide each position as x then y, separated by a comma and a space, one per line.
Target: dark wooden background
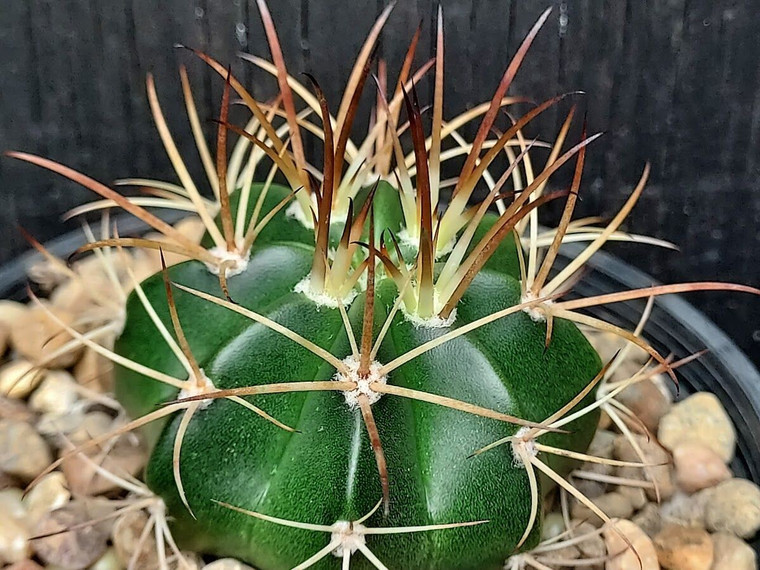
674, 82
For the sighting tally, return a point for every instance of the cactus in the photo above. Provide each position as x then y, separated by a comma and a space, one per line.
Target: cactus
347, 369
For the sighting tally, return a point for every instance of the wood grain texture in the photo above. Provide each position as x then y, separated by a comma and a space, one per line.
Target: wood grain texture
673, 82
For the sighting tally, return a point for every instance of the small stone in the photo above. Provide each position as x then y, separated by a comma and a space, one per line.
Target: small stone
12, 504
646, 401
48, 494
699, 418
560, 558
636, 495
732, 553
684, 548
552, 526
226, 564
14, 541
7, 481
687, 510
734, 507
698, 467
593, 489
126, 536
74, 549
659, 472
14, 535
37, 336
94, 371
592, 543
19, 378
11, 312
11, 409
23, 453
649, 519
601, 446
53, 425
127, 455
56, 394
109, 561
605, 421
622, 557
614, 505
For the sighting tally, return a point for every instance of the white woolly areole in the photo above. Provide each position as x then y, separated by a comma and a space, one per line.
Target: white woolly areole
294, 210
363, 382
535, 312
238, 265
323, 299
349, 536
198, 388
434, 322
523, 447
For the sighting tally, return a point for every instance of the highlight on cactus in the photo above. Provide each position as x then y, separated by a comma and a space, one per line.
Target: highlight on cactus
360, 364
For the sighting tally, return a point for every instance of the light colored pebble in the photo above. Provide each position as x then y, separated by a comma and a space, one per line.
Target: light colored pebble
127, 455
53, 425
14, 541
552, 526
636, 495
732, 553
649, 519
109, 561
623, 557
698, 467
55, 395
601, 446
734, 507
23, 453
614, 505
226, 564
94, 371
126, 536
687, 510
37, 336
660, 471
11, 312
14, 533
18, 378
11, 409
560, 558
12, 503
646, 401
684, 548
77, 548
7, 481
700, 418
592, 543
93, 424
49, 494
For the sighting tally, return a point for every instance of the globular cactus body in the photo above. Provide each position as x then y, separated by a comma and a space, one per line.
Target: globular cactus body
326, 472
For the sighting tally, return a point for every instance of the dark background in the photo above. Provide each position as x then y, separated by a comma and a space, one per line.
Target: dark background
673, 82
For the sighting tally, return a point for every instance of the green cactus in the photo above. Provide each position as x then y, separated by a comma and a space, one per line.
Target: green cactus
346, 366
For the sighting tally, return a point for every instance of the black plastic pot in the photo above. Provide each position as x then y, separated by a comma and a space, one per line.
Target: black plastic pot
675, 327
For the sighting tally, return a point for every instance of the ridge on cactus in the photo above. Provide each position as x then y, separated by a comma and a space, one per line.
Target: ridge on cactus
350, 370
